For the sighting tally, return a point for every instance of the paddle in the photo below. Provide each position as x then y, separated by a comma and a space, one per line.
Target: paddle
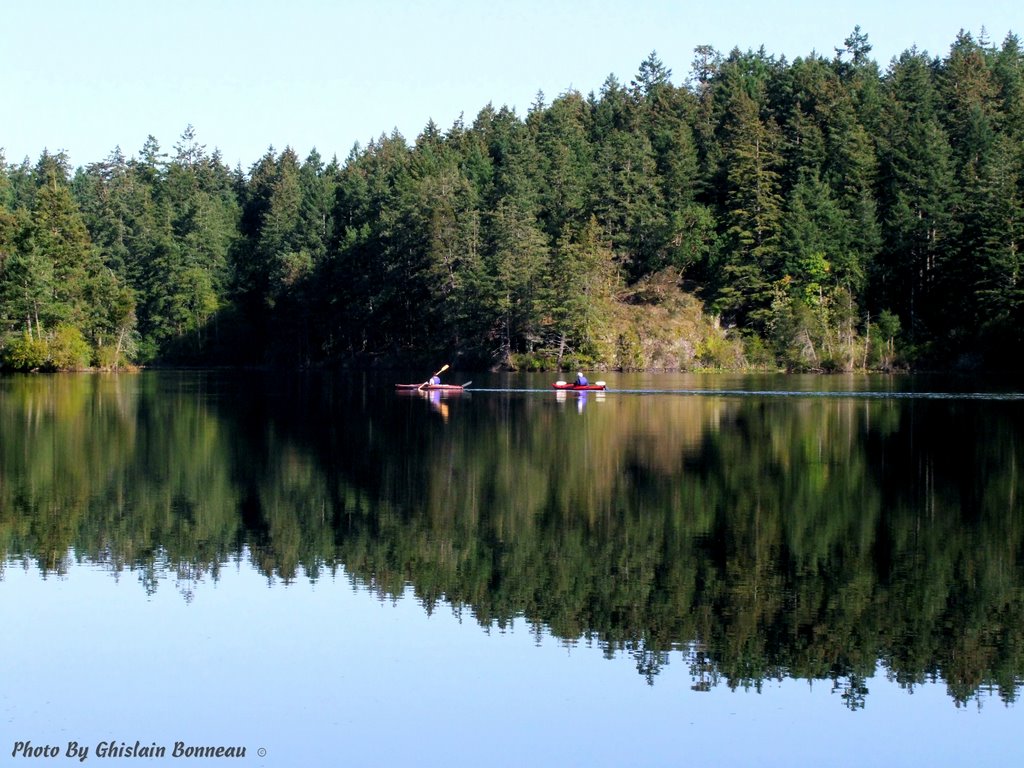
443, 369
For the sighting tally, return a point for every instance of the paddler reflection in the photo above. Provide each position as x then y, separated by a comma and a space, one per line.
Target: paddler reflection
582, 397
437, 402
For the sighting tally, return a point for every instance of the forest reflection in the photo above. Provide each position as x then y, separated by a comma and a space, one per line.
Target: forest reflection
813, 538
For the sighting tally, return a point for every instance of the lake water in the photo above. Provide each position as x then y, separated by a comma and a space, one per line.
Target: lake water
683, 570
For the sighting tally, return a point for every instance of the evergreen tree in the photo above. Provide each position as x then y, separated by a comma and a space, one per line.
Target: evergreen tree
652, 76
582, 283
184, 273
374, 304
278, 252
26, 280
851, 173
917, 200
58, 235
55, 287
994, 243
970, 93
518, 257
752, 207
316, 228
1008, 71
814, 311
627, 199
516, 161
447, 220
705, 79
566, 161
6, 188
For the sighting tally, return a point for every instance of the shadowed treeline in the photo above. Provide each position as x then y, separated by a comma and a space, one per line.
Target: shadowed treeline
762, 537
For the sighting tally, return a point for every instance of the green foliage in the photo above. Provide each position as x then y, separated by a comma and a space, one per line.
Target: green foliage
582, 282
25, 353
629, 354
524, 239
882, 339
717, 351
68, 350
757, 354
62, 349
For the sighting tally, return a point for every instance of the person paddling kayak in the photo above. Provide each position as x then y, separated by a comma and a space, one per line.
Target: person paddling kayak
581, 380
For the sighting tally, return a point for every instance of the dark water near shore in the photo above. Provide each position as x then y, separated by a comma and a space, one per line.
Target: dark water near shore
726, 570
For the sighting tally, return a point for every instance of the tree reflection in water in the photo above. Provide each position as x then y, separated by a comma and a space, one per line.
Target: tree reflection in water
763, 538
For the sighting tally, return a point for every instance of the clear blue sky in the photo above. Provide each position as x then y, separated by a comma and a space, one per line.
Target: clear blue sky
86, 76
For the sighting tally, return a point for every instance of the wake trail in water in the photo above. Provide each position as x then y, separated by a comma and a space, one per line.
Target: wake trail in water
769, 393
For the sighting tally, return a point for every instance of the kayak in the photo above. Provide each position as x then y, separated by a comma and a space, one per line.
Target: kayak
431, 387
597, 385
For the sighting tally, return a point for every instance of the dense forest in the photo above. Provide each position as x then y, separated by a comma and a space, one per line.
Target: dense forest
819, 214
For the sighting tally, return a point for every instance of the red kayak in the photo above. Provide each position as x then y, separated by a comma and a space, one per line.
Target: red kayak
431, 387
598, 385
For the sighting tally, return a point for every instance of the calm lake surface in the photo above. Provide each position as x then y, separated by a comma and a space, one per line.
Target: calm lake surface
684, 570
